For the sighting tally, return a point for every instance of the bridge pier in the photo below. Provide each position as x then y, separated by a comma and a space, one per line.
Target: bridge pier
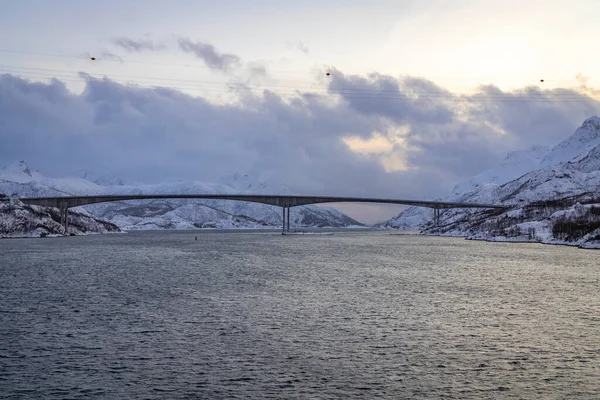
286, 220
64, 216
436, 216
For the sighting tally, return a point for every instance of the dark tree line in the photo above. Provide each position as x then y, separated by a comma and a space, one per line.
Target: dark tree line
574, 228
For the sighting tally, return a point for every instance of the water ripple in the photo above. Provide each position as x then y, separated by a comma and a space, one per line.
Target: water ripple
158, 315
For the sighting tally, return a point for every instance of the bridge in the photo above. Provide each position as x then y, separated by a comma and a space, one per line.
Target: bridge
283, 201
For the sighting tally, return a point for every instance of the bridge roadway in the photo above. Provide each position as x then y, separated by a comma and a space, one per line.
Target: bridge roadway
284, 201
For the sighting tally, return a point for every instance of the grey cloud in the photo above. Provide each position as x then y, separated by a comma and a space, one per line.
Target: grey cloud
208, 54
152, 134
107, 55
464, 134
399, 100
299, 45
532, 116
464, 149
137, 45
257, 70
103, 54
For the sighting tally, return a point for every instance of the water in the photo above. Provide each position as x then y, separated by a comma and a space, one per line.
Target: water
257, 315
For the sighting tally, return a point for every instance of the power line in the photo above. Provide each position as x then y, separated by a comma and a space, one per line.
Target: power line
138, 78
85, 57
401, 97
147, 79
129, 61
40, 73
480, 98
347, 93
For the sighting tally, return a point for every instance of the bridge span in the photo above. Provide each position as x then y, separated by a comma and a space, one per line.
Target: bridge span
283, 201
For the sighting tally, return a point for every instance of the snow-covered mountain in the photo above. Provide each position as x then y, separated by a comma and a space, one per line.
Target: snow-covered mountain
21, 220
558, 202
515, 164
18, 179
570, 168
483, 188
580, 143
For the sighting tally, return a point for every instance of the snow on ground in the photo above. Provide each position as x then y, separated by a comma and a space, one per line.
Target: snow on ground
571, 167
556, 202
18, 179
20, 220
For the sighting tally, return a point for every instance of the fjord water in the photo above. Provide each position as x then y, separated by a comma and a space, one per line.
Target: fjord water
259, 315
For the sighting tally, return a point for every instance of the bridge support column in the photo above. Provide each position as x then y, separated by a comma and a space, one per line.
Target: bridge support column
436, 216
64, 216
286, 220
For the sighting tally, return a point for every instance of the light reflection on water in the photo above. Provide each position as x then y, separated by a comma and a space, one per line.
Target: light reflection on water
260, 315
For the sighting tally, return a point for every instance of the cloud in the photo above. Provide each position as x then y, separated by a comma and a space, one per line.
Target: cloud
207, 53
151, 134
256, 69
103, 54
459, 135
137, 45
107, 55
531, 115
299, 45
399, 100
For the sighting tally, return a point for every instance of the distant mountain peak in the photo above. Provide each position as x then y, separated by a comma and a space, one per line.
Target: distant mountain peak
534, 152
515, 164
109, 181
24, 168
589, 131
586, 137
18, 167
592, 123
549, 172
251, 183
236, 176
176, 213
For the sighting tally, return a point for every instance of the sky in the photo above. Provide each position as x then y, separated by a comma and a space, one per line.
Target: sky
420, 94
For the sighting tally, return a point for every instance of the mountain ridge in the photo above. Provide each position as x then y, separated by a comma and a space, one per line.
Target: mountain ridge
482, 187
18, 179
22, 220
557, 203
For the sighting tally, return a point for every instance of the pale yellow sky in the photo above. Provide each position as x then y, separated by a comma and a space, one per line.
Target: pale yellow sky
458, 44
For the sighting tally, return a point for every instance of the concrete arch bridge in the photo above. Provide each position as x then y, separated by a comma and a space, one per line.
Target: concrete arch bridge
283, 201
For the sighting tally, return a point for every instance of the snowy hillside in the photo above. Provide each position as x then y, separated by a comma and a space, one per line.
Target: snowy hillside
19, 220
557, 203
569, 169
515, 164
18, 179
483, 188
580, 143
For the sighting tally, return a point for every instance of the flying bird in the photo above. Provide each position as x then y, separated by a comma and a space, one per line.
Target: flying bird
541, 80
93, 58
328, 74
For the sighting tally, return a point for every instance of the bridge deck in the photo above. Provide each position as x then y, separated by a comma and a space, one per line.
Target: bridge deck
284, 201
275, 200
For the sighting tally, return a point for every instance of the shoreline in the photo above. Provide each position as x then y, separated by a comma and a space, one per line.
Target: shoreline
329, 231
307, 231
593, 246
